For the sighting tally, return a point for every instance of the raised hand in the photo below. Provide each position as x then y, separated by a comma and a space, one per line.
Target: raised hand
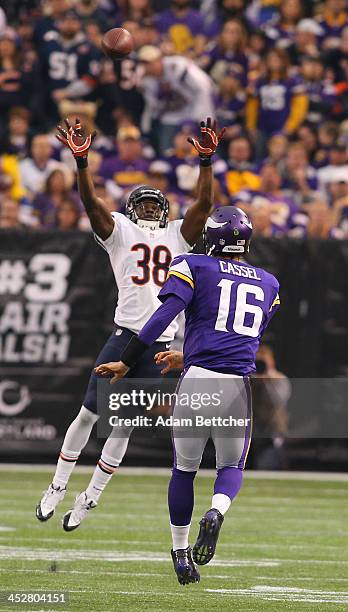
209, 138
74, 138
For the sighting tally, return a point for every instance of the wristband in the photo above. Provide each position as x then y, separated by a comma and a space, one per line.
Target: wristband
205, 161
133, 351
81, 162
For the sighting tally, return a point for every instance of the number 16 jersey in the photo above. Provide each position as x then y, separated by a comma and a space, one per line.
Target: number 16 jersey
140, 260
228, 307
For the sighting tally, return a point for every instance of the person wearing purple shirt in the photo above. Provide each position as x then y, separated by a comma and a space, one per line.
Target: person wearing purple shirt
228, 305
128, 167
184, 26
228, 54
333, 20
320, 91
278, 102
230, 103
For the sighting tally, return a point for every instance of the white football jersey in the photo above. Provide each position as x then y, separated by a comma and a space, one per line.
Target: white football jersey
140, 259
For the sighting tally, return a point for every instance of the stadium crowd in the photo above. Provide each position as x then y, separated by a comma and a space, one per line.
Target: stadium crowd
274, 72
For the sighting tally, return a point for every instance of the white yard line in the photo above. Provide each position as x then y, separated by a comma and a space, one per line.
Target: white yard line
137, 471
107, 541
43, 554
290, 594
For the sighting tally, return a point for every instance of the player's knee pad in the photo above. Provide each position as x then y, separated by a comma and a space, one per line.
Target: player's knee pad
86, 417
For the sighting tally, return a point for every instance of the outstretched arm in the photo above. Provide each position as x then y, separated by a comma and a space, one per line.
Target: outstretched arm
198, 213
101, 221
137, 345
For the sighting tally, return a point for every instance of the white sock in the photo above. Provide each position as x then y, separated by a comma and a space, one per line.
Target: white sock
75, 440
221, 502
101, 476
111, 457
180, 536
65, 466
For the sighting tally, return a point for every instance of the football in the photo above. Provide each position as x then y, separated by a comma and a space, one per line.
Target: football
117, 43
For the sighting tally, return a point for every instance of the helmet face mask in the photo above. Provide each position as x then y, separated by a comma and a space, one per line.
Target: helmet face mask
228, 230
147, 207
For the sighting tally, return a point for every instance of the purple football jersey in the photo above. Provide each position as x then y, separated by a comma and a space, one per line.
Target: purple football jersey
275, 102
228, 307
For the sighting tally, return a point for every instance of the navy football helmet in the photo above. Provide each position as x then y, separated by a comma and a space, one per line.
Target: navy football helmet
138, 197
227, 230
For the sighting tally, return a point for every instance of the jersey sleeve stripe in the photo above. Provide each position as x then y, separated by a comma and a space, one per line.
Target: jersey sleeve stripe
275, 302
182, 276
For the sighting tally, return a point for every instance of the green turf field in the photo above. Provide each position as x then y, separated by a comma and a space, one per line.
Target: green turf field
283, 546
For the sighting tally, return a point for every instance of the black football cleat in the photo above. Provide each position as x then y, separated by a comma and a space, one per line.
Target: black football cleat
184, 567
210, 525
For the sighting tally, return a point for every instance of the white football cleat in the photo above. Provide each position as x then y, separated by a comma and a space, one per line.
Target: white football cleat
50, 500
75, 516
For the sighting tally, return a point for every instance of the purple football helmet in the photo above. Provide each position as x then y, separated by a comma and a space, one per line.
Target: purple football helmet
228, 230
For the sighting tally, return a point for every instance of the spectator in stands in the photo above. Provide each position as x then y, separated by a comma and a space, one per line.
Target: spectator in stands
69, 64
271, 393
337, 60
10, 214
241, 172
278, 101
175, 90
88, 11
230, 108
307, 136
327, 137
337, 186
298, 176
128, 167
305, 43
53, 11
228, 9
320, 91
19, 131
260, 212
56, 189
283, 205
277, 147
339, 217
184, 27
68, 214
10, 172
333, 20
319, 220
336, 167
35, 169
183, 160
282, 32
228, 54
17, 76
134, 10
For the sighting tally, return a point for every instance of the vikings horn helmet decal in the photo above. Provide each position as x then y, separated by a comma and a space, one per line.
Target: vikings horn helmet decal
228, 230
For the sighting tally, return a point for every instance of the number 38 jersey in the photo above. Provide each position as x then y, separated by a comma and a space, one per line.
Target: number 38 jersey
140, 260
228, 307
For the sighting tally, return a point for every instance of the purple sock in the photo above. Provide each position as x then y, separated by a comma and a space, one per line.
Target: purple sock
180, 497
228, 481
